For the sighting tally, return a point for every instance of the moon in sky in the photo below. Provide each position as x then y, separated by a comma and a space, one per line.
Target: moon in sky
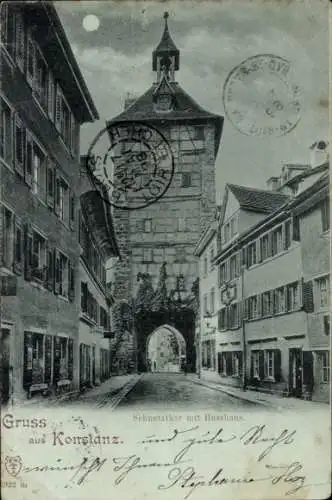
91, 22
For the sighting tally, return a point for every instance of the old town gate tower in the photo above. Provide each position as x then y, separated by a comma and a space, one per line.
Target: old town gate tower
158, 269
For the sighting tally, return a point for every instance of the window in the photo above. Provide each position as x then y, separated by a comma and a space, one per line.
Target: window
205, 270
322, 287
265, 247
236, 363
19, 40
279, 300
38, 172
62, 199
7, 236
293, 299
233, 316
269, 364
84, 297
103, 321
18, 257
199, 134
63, 118
267, 303
19, 145
227, 232
222, 273
211, 258
287, 234
276, 241
324, 361
50, 182
38, 257
147, 225
205, 305
63, 275
41, 79
251, 254
325, 214
147, 255
255, 364
252, 307
233, 266
186, 179
222, 319
63, 358
233, 226
212, 300
182, 226
5, 130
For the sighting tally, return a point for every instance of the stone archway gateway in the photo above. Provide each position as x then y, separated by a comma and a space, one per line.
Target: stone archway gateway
165, 350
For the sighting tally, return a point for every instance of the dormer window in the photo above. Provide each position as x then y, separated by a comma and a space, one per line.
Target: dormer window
163, 103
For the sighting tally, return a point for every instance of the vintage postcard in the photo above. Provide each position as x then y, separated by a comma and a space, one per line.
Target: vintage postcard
165, 250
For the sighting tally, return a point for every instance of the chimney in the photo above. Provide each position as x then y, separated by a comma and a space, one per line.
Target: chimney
319, 153
273, 183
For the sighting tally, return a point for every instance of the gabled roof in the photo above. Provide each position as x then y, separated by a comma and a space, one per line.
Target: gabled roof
185, 108
257, 200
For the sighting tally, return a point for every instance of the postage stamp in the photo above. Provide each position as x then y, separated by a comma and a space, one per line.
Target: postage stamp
260, 97
136, 169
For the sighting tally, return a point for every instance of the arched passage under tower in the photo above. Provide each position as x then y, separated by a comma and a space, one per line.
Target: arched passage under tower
165, 350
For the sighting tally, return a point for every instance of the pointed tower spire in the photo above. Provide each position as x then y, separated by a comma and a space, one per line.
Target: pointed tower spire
166, 57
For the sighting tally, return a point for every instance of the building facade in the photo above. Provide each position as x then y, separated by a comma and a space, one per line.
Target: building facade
167, 230
44, 101
98, 245
272, 287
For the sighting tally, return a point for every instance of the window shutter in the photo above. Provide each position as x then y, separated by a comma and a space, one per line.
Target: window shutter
58, 108
70, 359
31, 66
251, 366
57, 272
27, 369
296, 228
71, 210
262, 365
29, 160
259, 305
50, 184
27, 251
19, 40
50, 269
19, 145
258, 251
57, 195
277, 365
56, 359
18, 247
50, 96
307, 296
269, 245
71, 281
244, 259
48, 358
287, 234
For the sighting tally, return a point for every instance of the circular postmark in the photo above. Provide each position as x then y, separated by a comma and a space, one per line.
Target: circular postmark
260, 97
131, 164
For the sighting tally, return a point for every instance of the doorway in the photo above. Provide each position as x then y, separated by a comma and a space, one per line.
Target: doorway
295, 372
5, 366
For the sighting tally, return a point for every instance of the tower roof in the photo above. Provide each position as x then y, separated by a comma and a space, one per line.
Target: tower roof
166, 46
184, 110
